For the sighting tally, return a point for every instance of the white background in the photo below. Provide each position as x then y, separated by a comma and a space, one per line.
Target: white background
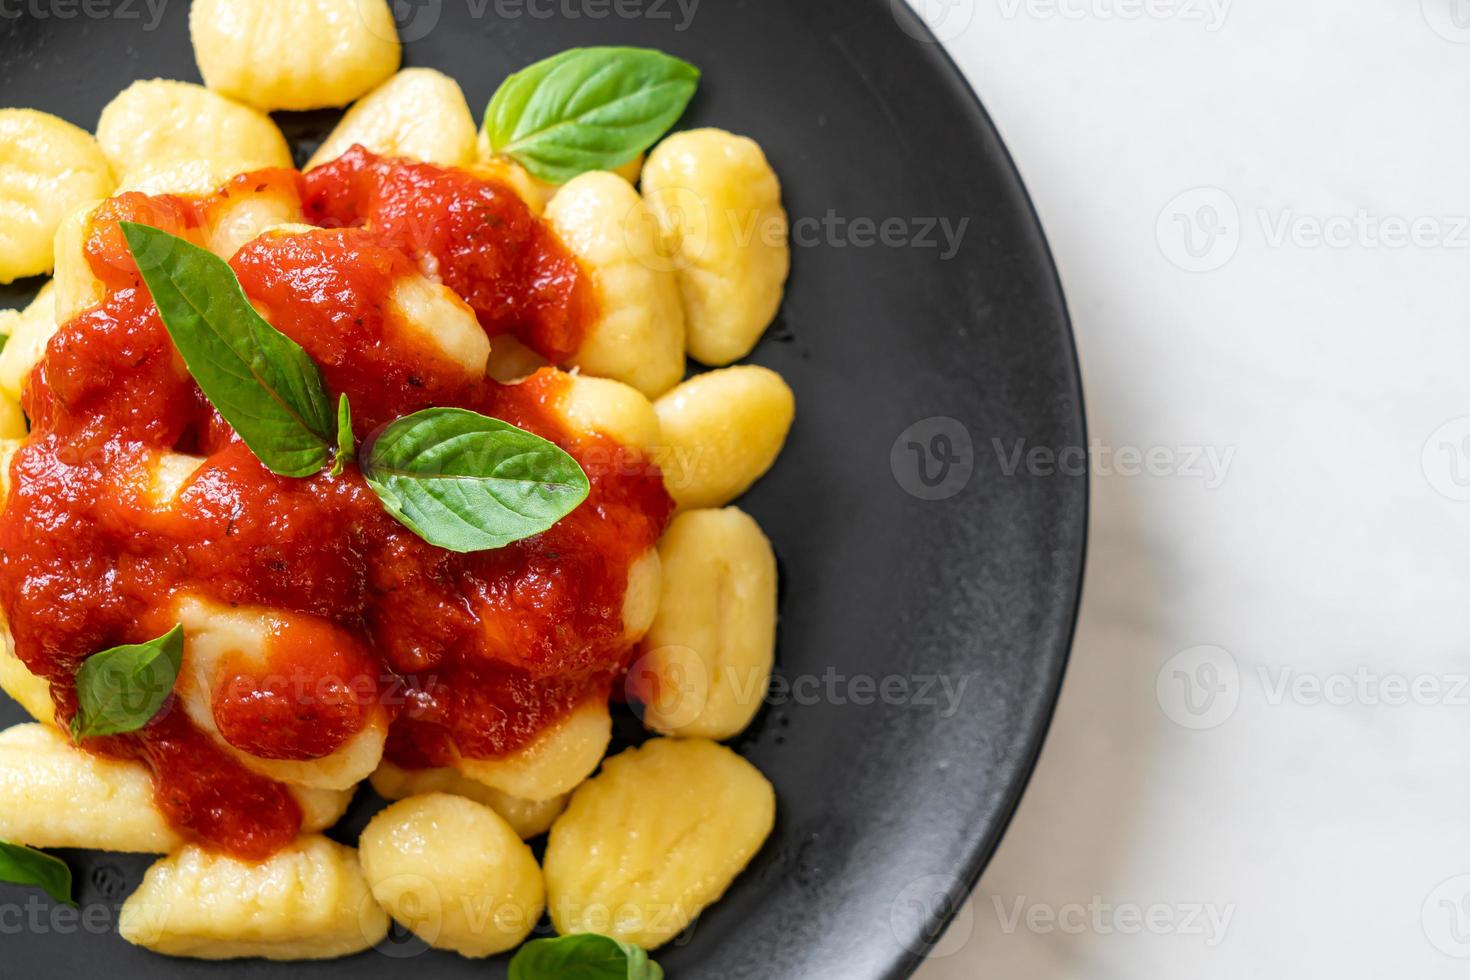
1293, 794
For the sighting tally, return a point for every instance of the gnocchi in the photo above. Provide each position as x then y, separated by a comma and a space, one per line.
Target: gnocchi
48, 167
25, 688
555, 763
173, 137
454, 872
638, 335
719, 203
308, 610
294, 54
221, 639
30, 331
709, 651
722, 431
655, 838
419, 113
528, 818
309, 901
53, 794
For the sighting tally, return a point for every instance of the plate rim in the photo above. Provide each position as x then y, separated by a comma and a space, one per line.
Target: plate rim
914, 954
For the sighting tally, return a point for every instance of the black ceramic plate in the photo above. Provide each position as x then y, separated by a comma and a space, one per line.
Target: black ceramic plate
929, 585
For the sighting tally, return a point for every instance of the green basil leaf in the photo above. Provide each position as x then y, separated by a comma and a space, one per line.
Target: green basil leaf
467, 482
346, 446
4, 339
588, 109
120, 690
582, 957
259, 379
27, 866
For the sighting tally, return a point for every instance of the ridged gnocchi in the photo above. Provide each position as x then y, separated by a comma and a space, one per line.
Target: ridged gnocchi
719, 204
419, 113
30, 331
555, 763
722, 431
48, 167
294, 54
529, 818
638, 335
163, 136
454, 872
655, 838
309, 901
707, 657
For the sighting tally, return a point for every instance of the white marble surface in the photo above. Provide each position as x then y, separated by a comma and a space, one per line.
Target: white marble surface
1317, 829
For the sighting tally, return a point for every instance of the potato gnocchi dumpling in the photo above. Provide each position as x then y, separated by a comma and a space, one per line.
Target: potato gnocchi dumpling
29, 331
719, 204
529, 818
250, 212
48, 167
77, 286
25, 688
722, 431
654, 838
601, 405
555, 763
294, 54
53, 794
419, 113
708, 655
222, 638
638, 335
163, 136
453, 872
309, 901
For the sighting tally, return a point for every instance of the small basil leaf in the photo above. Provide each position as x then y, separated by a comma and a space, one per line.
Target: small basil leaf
259, 379
467, 482
346, 447
120, 690
588, 109
4, 339
27, 866
582, 957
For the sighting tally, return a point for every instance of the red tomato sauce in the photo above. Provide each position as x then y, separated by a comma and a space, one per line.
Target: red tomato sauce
470, 655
